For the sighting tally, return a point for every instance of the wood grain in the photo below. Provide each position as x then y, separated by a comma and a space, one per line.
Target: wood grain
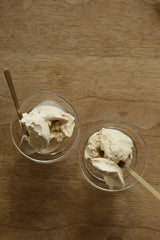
104, 56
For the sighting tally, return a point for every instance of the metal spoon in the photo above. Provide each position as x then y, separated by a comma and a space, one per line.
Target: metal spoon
140, 179
25, 146
143, 182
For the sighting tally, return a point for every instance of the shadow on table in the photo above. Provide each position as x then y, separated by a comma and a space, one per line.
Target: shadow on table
55, 197
36, 194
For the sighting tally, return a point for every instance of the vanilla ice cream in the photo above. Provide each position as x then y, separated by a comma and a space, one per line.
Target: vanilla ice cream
105, 150
47, 126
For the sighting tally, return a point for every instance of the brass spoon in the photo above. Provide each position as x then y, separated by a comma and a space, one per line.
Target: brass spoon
143, 182
25, 147
140, 179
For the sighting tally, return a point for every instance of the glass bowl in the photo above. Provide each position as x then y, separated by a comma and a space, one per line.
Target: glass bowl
64, 148
138, 164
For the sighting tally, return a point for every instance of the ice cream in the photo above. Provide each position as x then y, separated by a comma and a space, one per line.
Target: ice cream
47, 125
106, 151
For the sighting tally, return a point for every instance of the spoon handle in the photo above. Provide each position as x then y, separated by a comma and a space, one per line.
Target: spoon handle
143, 182
12, 91
14, 97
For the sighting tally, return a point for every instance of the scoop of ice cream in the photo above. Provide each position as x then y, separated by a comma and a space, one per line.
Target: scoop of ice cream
110, 171
105, 150
47, 126
111, 144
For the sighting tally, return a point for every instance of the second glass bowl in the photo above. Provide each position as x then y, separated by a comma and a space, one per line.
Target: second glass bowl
138, 164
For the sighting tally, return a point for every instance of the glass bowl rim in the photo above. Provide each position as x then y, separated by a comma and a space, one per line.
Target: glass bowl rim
74, 143
79, 156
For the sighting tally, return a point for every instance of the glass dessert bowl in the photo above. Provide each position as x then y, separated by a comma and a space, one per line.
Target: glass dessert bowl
58, 150
138, 162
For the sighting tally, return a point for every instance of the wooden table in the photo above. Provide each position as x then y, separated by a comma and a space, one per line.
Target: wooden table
104, 56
